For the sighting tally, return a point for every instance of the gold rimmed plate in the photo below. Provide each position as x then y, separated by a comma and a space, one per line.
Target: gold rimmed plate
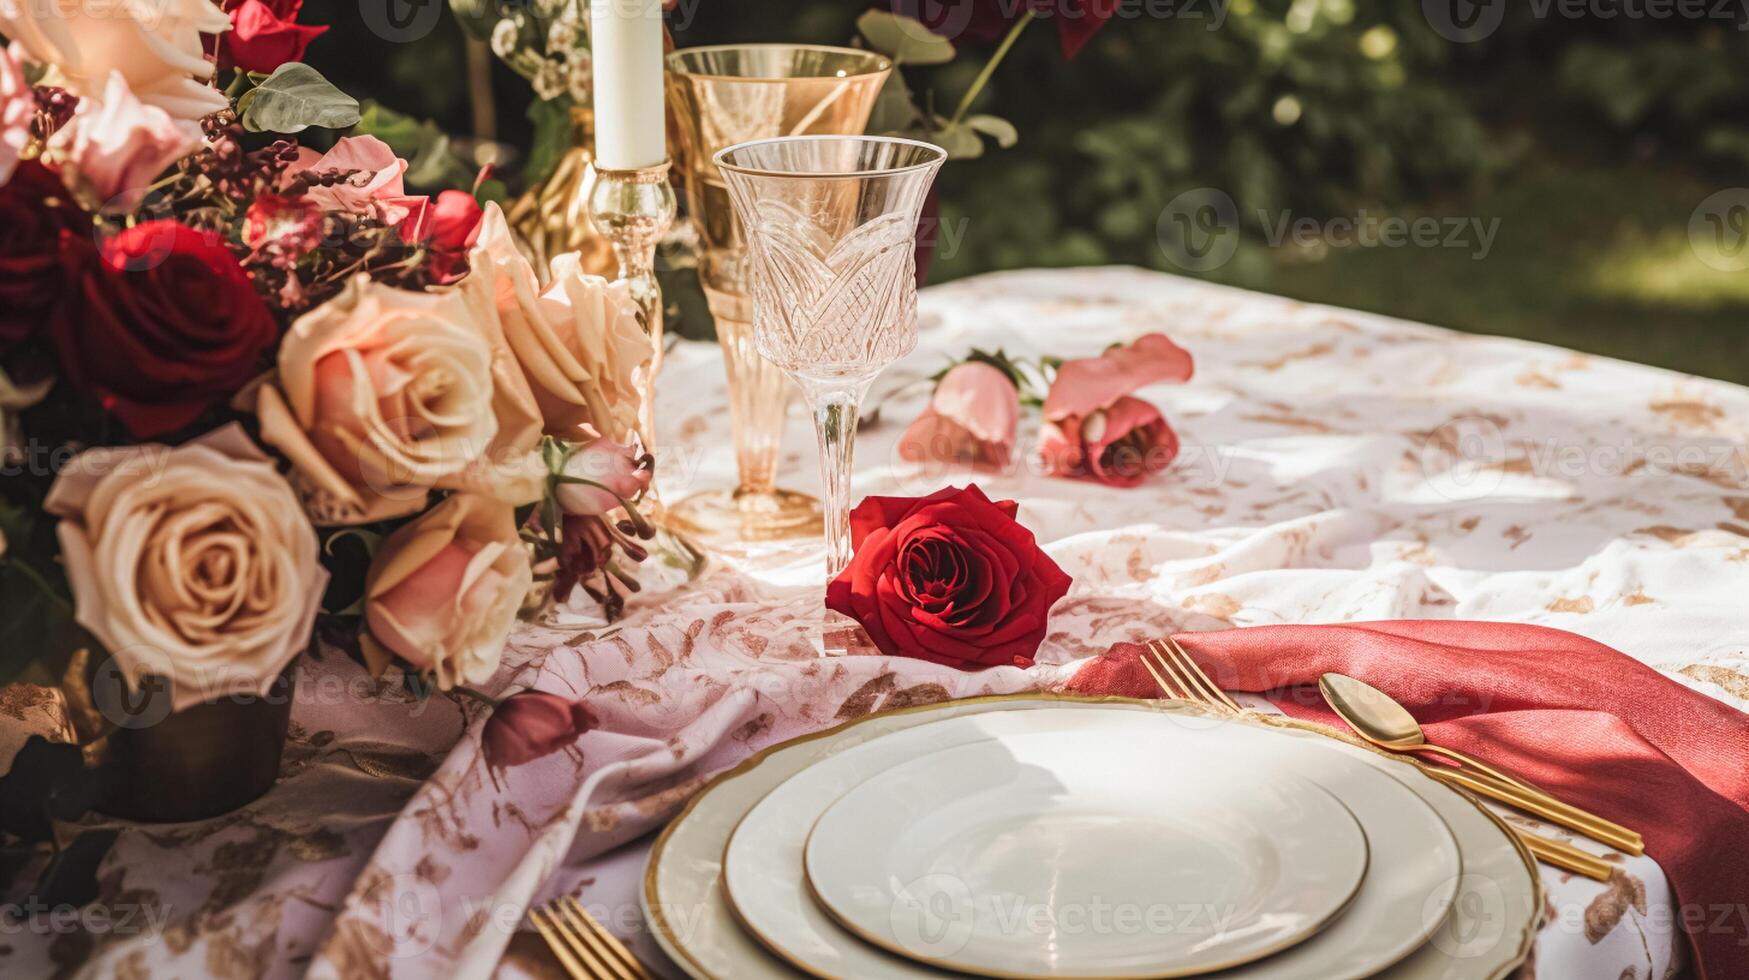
1487, 933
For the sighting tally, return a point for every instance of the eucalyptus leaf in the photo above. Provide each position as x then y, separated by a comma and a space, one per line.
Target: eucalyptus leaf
904, 39
995, 127
959, 140
294, 98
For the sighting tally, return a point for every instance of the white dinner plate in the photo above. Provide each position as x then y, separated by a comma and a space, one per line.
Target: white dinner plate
1489, 932
1164, 850
1410, 884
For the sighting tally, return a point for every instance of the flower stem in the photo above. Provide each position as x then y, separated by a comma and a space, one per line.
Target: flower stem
965, 106
479, 696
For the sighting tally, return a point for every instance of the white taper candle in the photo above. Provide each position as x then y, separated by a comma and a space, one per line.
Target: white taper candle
626, 44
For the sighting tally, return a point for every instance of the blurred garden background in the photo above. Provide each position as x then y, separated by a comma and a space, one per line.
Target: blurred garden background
1582, 160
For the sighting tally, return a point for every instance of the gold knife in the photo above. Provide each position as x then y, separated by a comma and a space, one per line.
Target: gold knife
1554, 812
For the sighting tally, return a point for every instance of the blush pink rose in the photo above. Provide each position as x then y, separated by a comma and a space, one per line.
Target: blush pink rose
615, 473
116, 146
1119, 446
17, 109
372, 184
1094, 428
971, 419
443, 591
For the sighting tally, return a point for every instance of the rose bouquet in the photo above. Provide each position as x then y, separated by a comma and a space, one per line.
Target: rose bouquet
252, 391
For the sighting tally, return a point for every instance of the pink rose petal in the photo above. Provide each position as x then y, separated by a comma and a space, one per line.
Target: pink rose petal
1088, 384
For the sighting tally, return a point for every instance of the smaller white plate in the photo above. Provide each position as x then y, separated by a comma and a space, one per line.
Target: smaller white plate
1082, 855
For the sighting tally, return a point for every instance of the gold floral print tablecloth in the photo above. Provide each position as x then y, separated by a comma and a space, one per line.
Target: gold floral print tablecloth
1336, 466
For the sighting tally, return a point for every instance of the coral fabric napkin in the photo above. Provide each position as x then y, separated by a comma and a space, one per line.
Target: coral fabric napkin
1589, 724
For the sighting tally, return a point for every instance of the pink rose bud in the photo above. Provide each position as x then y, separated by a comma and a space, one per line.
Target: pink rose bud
971, 418
616, 473
529, 725
1095, 428
1118, 446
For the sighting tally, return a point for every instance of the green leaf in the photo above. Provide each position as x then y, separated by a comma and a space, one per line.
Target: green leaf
36, 607
904, 39
895, 109
959, 140
294, 98
431, 163
552, 137
999, 129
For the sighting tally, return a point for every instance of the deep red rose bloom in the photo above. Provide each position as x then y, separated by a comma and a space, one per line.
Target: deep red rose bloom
35, 214
264, 35
451, 229
950, 578
160, 325
530, 724
983, 21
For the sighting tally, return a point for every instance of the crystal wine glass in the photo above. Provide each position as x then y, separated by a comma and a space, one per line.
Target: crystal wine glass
723, 95
831, 231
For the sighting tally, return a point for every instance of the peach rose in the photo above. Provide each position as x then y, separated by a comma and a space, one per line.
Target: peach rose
383, 394
17, 110
154, 44
115, 147
579, 343
443, 591
194, 563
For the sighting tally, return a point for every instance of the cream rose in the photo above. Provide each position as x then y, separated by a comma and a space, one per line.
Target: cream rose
154, 44
443, 591
194, 563
579, 344
383, 394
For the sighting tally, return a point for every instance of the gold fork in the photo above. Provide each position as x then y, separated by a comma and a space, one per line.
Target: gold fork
1188, 682
584, 947
1180, 678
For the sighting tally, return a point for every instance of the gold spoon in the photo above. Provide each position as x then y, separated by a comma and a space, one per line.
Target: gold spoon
1387, 724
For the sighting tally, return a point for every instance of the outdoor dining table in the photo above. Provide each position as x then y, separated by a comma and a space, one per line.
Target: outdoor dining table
1336, 466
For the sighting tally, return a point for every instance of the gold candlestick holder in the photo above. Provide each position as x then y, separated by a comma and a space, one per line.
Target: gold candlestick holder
633, 209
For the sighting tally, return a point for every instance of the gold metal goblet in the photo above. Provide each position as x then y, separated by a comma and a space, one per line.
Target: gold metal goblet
723, 95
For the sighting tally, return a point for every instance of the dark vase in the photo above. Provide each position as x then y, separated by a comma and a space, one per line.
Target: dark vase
206, 760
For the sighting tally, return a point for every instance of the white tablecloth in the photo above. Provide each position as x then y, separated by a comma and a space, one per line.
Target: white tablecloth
1336, 466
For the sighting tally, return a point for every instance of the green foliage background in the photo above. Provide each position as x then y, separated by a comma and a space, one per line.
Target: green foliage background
1591, 138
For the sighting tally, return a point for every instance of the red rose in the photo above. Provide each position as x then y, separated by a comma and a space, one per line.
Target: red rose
988, 20
453, 227
264, 36
530, 724
950, 578
160, 325
35, 214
